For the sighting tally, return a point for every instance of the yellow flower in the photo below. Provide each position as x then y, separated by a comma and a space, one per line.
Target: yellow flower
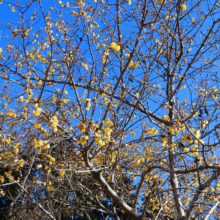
21, 163
163, 144
212, 189
65, 101
133, 65
37, 125
88, 106
183, 7
12, 9
1, 50
100, 142
37, 112
54, 124
160, 1
39, 83
108, 177
115, 46
142, 159
137, 162
186, 150
2, 192
39, 166
21, 98
47, 146
82, 127
85, 66
16, 150
197, 133
166, 117
62, 172
2, 179
214, 199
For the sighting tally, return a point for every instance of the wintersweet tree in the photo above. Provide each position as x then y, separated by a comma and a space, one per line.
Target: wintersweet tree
109, 109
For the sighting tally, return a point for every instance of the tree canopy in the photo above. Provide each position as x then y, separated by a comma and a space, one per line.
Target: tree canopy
109, 109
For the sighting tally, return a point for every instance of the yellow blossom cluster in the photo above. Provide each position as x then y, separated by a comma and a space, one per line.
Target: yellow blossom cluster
183, 7
108, 122
16, 150
182, 127
37, 112
24, 114
115, 46
46, 146
52, 160
2, 179
21, 163
106, 53
39, 83
187, 139
11, 114
166, 118
204, 123
37, 125
64, 100
83, 140
186, 150
152, 131
140, 160
107, 130
197, 133
88, 104
85, 66
160, 1
54, 122
82, 127
21, 98
7, 141
98, 139
74, 13
62, 173
104, 59
163, 143
2, 193
173, 146
37, 143
194, 114
133, 65
173, 130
